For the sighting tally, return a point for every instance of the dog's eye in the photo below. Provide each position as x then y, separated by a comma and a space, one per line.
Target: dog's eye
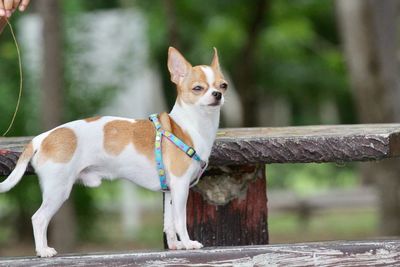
223, 86
197, 88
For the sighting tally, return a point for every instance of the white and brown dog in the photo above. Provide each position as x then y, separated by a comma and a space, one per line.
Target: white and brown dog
93, 149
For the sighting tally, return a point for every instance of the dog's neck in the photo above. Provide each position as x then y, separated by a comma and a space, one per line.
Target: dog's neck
201, 123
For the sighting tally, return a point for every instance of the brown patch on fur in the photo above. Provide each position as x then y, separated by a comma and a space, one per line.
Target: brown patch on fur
27, 153
196, 77
219, 79
120, 133
59, 146
117, 135
144, 135
174, 158
91, 119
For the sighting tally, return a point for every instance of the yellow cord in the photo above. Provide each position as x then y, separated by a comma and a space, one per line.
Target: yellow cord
20, 79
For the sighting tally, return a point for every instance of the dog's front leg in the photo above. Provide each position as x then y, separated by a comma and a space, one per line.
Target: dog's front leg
169, 227
179, 196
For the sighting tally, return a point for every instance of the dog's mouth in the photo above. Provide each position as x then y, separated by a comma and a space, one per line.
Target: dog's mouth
215, 104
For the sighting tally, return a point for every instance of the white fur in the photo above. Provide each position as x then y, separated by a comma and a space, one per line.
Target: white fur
201, 122
208, 98
91, 163
209, 74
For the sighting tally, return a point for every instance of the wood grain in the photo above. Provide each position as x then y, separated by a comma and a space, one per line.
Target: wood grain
339, 253
10, 150
337, 143
229, 207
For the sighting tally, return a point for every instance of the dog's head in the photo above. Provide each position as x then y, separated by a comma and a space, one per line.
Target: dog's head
202, 86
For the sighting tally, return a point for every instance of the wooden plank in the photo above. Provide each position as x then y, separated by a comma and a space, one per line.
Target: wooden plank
10, 149
336, 143
238, 146
339, 253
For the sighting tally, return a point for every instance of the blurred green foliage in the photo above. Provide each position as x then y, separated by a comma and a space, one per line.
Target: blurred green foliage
9, 85
306, 179
298, 53
329, 225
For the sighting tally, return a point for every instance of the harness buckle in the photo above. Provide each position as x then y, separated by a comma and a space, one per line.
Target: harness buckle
190, 152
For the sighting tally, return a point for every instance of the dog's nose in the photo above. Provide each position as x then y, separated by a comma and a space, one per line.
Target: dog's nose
217, 95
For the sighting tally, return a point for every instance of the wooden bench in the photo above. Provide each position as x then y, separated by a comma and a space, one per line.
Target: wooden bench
229, 206
350, 253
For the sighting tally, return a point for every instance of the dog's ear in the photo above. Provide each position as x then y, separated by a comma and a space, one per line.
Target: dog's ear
215, 60
178, 66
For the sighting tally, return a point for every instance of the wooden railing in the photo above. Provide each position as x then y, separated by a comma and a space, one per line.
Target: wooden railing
229, 206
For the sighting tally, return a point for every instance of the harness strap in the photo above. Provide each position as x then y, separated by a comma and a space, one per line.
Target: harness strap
189, 151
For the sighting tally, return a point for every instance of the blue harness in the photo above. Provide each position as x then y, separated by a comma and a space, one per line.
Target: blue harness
189, 151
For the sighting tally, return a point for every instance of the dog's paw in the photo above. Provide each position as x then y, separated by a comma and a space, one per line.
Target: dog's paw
175, 245
192, 244
46, 252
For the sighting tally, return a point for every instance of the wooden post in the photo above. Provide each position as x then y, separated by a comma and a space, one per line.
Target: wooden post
229, 207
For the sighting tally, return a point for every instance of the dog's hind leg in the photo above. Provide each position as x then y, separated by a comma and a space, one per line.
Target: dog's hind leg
55, 190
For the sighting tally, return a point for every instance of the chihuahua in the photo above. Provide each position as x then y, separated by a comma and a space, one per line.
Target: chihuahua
87, 151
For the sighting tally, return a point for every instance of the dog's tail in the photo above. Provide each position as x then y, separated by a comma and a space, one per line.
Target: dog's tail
19, 169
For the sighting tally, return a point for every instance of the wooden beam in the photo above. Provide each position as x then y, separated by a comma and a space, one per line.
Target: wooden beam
340, 253
333, 143
10, 149
302, 144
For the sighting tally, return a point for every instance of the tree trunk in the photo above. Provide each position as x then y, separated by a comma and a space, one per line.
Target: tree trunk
369, 34
244, 74
63, 226
52, 72
172, 24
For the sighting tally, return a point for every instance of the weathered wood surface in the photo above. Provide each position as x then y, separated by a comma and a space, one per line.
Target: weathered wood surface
10, 149
339, 253
337, 143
